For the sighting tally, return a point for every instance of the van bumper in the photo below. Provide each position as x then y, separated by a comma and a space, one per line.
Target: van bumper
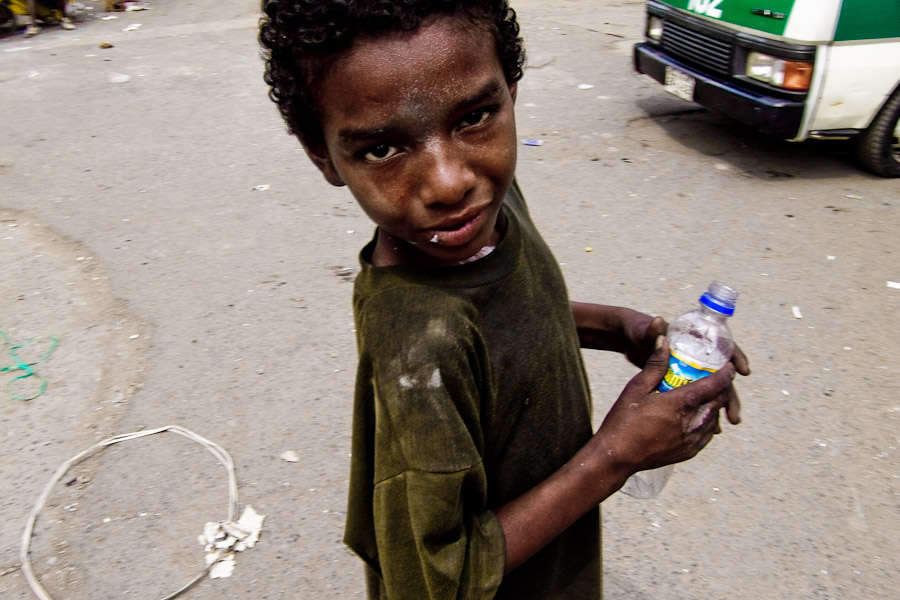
771, 115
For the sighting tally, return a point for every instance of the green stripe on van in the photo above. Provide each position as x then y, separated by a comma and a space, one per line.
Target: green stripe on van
868, 20
741, 12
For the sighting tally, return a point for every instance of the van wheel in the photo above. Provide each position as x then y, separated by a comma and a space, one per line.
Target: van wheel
879, 145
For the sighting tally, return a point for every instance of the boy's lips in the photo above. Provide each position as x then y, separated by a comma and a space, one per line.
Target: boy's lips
459, 231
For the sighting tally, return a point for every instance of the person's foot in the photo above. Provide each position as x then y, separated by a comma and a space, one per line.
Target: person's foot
32, 30
67, 23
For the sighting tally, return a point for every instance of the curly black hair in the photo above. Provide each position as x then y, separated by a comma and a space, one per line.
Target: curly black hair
299, 37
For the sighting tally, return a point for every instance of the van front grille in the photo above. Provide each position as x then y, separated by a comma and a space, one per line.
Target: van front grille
697, 48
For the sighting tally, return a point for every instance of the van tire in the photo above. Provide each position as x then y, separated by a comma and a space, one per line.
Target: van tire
879, 145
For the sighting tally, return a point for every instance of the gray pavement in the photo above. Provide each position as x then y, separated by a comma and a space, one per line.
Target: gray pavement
197, 271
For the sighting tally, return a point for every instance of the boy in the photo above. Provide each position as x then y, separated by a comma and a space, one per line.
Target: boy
475, 473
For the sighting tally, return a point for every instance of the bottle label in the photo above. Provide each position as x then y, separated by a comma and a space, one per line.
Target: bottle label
681, 372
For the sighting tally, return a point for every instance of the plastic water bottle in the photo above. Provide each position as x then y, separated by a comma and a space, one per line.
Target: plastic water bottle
700, 344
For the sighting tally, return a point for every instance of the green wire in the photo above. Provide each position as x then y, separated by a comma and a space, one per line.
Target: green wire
21, 365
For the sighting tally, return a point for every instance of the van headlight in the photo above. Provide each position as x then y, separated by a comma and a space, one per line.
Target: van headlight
654, 28
787, 74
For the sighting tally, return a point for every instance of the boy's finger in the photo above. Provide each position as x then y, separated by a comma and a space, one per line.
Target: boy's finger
740, 362
707, 389
733, 409
655, 368
656, 328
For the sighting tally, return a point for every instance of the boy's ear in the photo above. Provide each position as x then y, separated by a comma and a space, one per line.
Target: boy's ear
513, 88
319, 157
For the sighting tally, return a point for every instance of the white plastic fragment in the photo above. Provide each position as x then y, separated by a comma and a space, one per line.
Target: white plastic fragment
584, 86
797, 313
133, 27
261, 187
894, 284
223, 539
785, 392
829, 257
119, 77
290, 456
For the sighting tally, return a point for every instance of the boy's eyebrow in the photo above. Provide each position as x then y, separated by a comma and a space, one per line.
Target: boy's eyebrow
352, 136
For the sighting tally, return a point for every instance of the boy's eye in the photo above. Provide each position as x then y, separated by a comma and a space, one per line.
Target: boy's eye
380, 152
476, 116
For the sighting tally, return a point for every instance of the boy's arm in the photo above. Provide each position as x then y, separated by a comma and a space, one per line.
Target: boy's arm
643, 430
617, 329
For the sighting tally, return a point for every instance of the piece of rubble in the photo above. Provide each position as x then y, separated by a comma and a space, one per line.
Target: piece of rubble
223, 539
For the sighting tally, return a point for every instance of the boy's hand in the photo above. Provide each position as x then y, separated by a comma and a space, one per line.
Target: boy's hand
642, 332
617, 329
646, 429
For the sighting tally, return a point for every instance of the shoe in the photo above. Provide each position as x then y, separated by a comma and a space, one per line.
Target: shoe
32, 30
67, 23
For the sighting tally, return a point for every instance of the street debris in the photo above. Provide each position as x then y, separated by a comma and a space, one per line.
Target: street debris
222, 540
26, 367
894, 284
105, 46
797, 313
133, 27
119, 77
261, 187
585, 86
290, 456
532, 142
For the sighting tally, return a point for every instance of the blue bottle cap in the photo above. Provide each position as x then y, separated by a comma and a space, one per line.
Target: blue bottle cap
710, 302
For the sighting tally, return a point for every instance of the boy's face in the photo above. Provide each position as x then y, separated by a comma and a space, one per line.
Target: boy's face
420, 127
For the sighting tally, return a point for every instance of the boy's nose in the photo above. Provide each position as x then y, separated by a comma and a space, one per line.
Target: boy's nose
446, 176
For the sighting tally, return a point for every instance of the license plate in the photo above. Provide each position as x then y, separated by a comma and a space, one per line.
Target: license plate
680, 84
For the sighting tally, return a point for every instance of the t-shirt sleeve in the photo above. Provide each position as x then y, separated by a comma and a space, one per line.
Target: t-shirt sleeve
435, 538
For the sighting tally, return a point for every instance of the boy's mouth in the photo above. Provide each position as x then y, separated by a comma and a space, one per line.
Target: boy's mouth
458, 232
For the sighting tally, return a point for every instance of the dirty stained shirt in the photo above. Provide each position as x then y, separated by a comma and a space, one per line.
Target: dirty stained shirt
470, 390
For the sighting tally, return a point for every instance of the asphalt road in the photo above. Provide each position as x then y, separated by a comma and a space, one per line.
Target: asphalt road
197, 272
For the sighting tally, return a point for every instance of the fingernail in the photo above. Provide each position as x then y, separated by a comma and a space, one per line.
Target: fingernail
659, 341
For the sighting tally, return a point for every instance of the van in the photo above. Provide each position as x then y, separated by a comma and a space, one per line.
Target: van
794, 69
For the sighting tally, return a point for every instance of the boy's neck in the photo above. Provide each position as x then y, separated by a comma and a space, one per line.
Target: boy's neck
391, 251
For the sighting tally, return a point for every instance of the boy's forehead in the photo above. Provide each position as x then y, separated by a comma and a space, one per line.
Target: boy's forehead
408, 82
435, 55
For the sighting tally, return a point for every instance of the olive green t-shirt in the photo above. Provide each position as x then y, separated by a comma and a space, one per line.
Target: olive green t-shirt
470, 390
